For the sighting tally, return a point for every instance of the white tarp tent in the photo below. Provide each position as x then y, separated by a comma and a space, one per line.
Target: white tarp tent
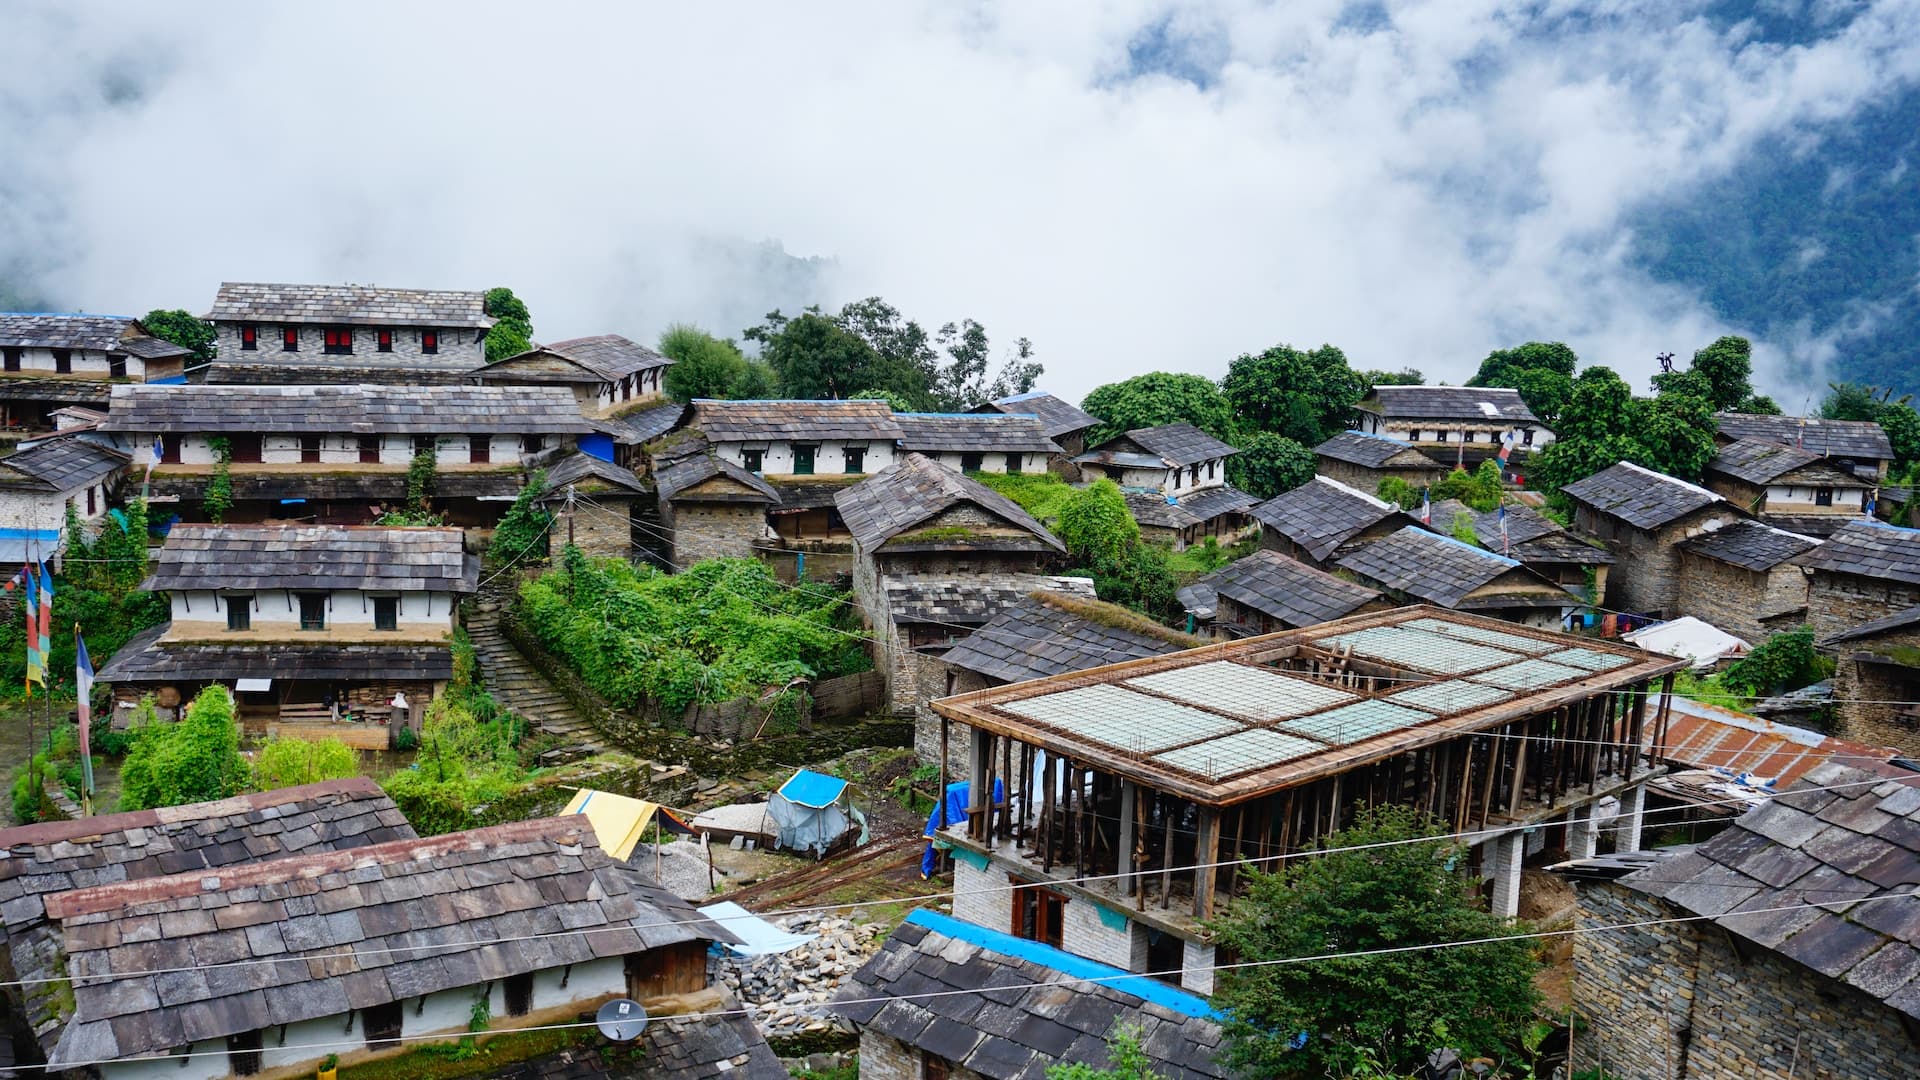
1688, 638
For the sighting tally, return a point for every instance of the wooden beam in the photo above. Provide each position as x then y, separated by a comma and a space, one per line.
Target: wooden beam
1206, 853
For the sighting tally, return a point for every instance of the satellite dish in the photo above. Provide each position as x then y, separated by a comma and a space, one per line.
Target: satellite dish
621, 1019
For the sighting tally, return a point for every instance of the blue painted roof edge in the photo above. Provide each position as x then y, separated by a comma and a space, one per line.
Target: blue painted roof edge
1078, 967
1483, 552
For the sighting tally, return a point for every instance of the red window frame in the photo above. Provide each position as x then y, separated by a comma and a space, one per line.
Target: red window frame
339, 340
249, 338
290, 339
480, 449
383, 340
429, 341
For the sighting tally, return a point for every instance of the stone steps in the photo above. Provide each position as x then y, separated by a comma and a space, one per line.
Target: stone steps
521, 689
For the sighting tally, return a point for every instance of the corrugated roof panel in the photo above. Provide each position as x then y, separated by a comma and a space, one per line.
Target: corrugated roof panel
1452, 696
1587, 659
1529, 675
1242, 690
1499, 639
1123, 719
1353, 723
1243, 751
1419, 649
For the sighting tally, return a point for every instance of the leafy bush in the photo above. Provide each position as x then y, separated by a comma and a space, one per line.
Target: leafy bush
1781, 663
420, 475
716, 631
463, 763
58, 759
1040, 494
522, 532
97, 592
195, 760
218, 497
1125, 1060
283, 763
1096, 525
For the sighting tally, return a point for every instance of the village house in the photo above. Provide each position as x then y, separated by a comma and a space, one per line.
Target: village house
275, 334
315, 627
1783, 946
711, 508
49, 858
1459, 426
1067, 425
1876, 680
362, 953
1642, 516
1798, 490
1316, 520
1742, 578
1416, 565
1362, 460
978, 442
334, 453
800, 438
608, 374
1266, 592
1864, 571
1539, 543
937, 554
629, 432
1135, 791
1175, 480
40, 483
50, 363
1859, 445
604, 510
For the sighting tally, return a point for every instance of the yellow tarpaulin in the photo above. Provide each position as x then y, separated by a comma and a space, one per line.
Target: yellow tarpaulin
618, 821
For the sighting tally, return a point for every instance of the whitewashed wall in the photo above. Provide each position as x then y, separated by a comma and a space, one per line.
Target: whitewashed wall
279, 609
345, 449
829, 460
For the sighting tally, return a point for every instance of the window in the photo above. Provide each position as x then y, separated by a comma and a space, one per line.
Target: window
752, 459
423, 444
1016, 462
249, 338
1526, 437
244, 446
1176, 479
1823, 496
386, 613
309, 449
1210, 467
518, 990
1037, 912
290, 339
803, 459
243, 1053
116, 366
532, 444
93, 507
480, 449
934, 1067
381, 1023
626, 388
1193, 475
856, 459
63, 361
383, 340
972, 462
239, 612
313, 611
429, 342
369, 449
170, 449
339, 341
12, 354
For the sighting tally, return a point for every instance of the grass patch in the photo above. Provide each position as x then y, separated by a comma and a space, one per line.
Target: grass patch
1708, 690
1039, 494
1115, 617
490, 1053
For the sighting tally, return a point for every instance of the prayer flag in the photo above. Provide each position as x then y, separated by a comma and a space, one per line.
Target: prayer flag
83, 687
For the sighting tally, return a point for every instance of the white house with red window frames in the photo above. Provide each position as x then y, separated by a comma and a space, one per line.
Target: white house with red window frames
269, 333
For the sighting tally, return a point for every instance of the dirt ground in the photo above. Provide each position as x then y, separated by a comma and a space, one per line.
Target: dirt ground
1548, 902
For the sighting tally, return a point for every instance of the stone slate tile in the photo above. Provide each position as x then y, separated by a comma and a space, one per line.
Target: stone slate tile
1831, 945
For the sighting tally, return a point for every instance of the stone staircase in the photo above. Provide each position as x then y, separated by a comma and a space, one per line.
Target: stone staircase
520, 688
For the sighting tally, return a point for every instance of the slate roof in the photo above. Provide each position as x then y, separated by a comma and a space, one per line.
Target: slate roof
697, 1046
363, 408
934, 433
1373, 451
970, 599
700, 468
1180, 444
1450, 403
1640, 497
144, 659
364, 305
102, 333
1750, 545
1868, 550
1896, 621
400, 920
1322, 514
1758, 461
1287, 589
1431, 567
996, 1014
371, 557
1846, 438
1532, 537
40, 860
578, 468
641, 425
788, 421
1057, 417
608, 355
1152, 508
1046, 634
1834, 847
913, 489
61, 464
92, 392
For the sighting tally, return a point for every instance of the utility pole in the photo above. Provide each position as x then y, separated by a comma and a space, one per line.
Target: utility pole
569, 515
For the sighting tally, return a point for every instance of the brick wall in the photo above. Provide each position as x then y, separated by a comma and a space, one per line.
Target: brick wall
981, 897
1678, 1000
1197, 960
704, 531
1836, 602
1083, 933
1733, 598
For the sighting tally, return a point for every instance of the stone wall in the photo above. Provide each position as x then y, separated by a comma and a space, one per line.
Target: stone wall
1646, 577
939, 680
458, 345
1681, 1000
1733, 598
704, 530
601, 530
1869, 678
1361, 478
1837, 602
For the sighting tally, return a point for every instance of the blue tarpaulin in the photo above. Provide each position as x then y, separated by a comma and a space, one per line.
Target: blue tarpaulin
956, 807
807, 809
809, 788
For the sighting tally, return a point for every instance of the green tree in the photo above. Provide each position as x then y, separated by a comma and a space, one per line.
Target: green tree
704, 366
1305, 396
195, 760
1674, 433
1727, 367
512, 330
1125, 1060
1406, 376
1269, 464
1785, 661
421, 472
1895, 415
1370, 891
282, 762
522, 532
1157, 398
217, 498
813, 356
868, 345
1601, 404
1547, 393
1502, 366
1479, 489
184, 330
1096, 525
894, 401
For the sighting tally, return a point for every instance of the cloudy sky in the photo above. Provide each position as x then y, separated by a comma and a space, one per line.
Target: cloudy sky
1134, 186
